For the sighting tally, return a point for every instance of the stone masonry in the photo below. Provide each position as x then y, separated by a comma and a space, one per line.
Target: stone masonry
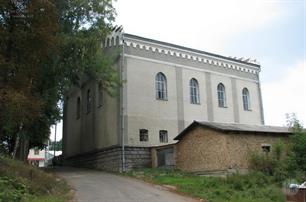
110, 159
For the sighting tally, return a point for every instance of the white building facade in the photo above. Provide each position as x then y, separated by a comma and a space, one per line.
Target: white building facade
165, 87
37, 157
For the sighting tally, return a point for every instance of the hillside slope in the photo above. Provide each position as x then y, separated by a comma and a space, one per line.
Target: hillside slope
22, 182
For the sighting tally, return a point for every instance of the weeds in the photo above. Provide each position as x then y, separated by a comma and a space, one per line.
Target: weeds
22, 182
253, 187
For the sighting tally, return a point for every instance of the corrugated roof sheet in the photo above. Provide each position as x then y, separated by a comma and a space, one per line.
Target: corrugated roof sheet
246, 127
234, 127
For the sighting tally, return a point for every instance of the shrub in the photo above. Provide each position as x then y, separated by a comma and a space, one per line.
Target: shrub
252, 187
298, 149
22, 182
12, 189
273, 164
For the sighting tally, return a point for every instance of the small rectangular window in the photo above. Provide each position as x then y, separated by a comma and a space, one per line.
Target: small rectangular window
266, 148
36, 151
143, 135
163, 136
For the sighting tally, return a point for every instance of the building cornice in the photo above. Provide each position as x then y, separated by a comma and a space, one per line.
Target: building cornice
141, 43
189, 67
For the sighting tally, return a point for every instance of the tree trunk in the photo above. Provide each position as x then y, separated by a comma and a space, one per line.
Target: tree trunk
16, 145
23, 150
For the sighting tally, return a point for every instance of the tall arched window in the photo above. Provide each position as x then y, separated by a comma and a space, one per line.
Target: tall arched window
112, 41
100, 95
194, 91
89, 100
161, 86
108, 42
117, 40
246, 99
78, 108
221, 95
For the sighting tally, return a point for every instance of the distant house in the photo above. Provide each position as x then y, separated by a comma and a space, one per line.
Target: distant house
42, 158
37, 157
210, 146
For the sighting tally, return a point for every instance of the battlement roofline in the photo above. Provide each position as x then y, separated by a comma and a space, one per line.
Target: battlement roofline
246, 62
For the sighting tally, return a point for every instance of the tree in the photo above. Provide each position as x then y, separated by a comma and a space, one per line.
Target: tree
28, 37
57, 146
46, 46
297, 154
293, 123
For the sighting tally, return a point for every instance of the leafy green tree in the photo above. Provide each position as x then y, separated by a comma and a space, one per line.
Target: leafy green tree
297, 146
46, 46
57, 146
293, 123
28, 37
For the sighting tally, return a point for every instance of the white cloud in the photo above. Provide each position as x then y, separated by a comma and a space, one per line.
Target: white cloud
287, 95
202, 24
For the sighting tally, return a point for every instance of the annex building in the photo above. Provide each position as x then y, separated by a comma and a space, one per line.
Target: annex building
165, 87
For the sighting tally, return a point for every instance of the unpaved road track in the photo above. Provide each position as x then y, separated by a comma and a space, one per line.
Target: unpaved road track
98, 186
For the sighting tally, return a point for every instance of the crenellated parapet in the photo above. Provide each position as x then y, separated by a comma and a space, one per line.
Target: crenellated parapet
114, 38
118, 38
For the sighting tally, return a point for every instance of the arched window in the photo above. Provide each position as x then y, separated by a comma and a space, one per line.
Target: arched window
89, 100
108, 42
161, 86
117, 40
194, 91
246, 99
78, 108
221, 95
113, 41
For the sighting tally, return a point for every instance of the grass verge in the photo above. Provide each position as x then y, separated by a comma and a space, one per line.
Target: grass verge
22, 182
253, 187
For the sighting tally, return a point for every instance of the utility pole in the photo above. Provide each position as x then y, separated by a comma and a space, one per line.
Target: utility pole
54, 145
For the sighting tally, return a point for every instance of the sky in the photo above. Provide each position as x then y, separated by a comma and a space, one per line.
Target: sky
271, 31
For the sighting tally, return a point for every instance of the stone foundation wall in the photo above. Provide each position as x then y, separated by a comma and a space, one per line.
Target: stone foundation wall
110, 159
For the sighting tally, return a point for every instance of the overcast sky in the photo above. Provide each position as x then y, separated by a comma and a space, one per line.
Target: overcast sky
273, 32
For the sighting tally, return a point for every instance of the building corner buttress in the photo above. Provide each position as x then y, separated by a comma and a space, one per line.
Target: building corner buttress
65, 119
260, 101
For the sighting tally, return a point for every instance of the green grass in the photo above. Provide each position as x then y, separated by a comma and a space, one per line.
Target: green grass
253, 187
22, 182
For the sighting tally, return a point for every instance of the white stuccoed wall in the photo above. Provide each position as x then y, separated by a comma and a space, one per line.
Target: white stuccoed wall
146, 112
137, 107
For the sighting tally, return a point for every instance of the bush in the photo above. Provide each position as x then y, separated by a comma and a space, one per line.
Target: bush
23, 182
12, 189
297, 152
252, 187
273, 164
298, 149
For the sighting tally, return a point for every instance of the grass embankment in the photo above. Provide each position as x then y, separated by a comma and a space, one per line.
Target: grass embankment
22, 182
253, 187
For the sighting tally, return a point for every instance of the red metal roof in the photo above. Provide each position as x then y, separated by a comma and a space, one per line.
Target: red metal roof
36, 159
